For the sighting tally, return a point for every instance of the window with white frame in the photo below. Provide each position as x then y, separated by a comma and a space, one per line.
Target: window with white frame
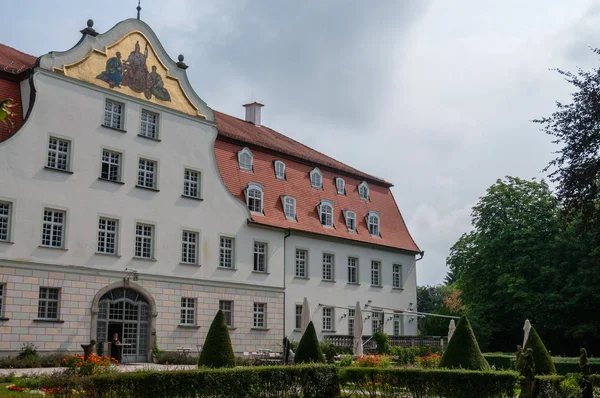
5, 221
144, 240
107, 235
376, 322
350, 220
189, 247
301, 258
328, 266
59, 153
260, 315
147, 173
398, 325
227, 307
316, 178
289, 207
226, 252
326, 213
351, 313
375, 273
373, 223
191, 183
2, 289
111, 165
260, 257
188, 311
327, 318
363, 190
340, 186
280, 170
254, 197
48, 303
352, 270
149, 126
245, 159
397, 275
298, 316
113, 114
53, 228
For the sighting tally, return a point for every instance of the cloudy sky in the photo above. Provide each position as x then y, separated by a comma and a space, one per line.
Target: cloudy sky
434, 96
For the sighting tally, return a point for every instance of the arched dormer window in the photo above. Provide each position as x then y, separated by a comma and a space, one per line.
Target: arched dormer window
363, 190
279, 170
316, 178
373, 223
350, 220
289, 207
326, 213
254, 197
245, 159
340, 186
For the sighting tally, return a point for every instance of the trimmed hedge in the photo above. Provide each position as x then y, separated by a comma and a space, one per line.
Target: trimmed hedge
394, 382
217, 351
564, 365
309, 349
463, 351
541, 357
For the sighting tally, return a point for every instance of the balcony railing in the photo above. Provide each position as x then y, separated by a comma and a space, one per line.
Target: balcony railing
395, 341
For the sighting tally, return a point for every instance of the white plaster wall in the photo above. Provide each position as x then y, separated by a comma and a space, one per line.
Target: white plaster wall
74, 110
342, 294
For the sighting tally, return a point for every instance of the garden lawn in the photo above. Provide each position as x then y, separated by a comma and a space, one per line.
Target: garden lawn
4, 393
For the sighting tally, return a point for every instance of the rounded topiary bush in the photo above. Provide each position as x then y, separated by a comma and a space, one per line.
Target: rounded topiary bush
217, 351
463, 351
309, 349
541, 356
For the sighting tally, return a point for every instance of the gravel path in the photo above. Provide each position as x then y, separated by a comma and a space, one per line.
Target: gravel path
122, 368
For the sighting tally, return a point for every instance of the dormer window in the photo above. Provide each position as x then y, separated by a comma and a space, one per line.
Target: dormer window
316, 178
326, 213
373, 223
350, 220
279, 170
363, 190
340, 186
245, 159
254, 197
289, 207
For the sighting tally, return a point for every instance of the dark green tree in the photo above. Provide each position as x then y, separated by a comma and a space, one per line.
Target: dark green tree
463, 350
541, 357
217, 351
309, 349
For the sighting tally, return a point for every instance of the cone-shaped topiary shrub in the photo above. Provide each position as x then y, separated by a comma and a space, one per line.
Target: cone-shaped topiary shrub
463, 350
217, 351
541, 357
309, 349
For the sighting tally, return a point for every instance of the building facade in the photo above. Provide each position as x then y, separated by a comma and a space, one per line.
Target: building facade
129, 206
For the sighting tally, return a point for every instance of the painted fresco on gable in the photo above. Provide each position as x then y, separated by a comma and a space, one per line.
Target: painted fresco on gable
140, 74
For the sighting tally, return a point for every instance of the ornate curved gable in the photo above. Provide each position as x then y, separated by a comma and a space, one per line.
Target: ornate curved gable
130, 60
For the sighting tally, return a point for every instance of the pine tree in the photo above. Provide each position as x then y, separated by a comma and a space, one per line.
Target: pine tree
309, 349
463, 350
217, 351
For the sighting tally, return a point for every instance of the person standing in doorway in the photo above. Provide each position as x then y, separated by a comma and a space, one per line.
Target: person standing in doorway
114, 347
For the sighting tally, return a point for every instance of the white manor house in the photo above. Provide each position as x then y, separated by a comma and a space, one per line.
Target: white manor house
128, 205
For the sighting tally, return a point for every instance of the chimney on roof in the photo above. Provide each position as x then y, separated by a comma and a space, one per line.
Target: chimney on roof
253, 113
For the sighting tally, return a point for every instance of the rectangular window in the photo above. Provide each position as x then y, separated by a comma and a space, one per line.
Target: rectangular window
111, 165
260, 257
48, 303
289, 208
397, 325
149, 127
144, 240
189, 247
351, 221
113, 114
260, 312
58, 154
5, 215
375, 273
327, 318
301, 256
1, 300
376, 322
191, 183
53, 228
327, 267
352, 270
397, 275
227, 308
298, 316
107, 235
188, 311
351, 322
226, 254
147, 173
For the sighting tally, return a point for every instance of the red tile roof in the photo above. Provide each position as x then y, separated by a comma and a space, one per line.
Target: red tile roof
393, 229
14, 61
